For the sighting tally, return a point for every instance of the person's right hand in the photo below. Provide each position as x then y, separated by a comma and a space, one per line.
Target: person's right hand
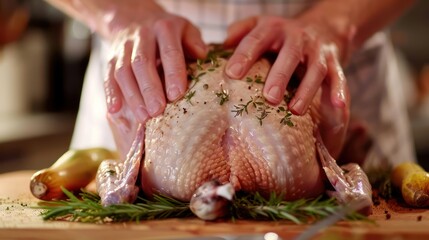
144, 37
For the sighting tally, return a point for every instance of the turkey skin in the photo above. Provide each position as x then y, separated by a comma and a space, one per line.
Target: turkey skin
224, 130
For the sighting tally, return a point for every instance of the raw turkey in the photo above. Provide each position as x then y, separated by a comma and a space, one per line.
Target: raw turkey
224, 130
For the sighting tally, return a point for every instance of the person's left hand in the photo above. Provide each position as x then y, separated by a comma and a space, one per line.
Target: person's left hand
297, 43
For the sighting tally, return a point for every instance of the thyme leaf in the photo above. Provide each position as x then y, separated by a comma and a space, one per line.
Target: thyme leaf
189, 96
287, 119
200, 62
258, 103
240, 108
258, 100
287, 97
212, 57
258, 79
223, 96
263, 113
196, 78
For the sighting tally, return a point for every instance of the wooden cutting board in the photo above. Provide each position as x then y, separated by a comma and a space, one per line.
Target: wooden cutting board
19, 221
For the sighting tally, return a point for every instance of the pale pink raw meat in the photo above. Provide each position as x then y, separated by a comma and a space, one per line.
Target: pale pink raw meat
203, 137
198, 140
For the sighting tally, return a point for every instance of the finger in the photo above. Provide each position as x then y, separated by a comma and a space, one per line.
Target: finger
335, 104
193, 43
127, 83
111, 89
143, 63
172, 57
279, 76
339, 90
311, 82
249, 50
238, 30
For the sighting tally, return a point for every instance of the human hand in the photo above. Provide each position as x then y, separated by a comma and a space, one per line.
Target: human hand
13, 22
297, 42
144, 39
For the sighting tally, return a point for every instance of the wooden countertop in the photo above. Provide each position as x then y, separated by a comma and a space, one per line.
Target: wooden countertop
19, 221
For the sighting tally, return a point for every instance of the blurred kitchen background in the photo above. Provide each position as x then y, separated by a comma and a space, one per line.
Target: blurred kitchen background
43, 57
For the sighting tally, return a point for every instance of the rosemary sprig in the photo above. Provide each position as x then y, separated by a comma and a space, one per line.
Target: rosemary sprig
274, 208
87, 208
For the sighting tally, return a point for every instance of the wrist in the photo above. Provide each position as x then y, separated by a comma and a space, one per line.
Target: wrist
337, 29
108, 17
94, 14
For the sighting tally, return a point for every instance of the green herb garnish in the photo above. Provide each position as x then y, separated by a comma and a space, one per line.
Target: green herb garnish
258, 79
223, 96
263, 113
87, 208
258, 103
240, 108
212, 57
189, 96
287, 119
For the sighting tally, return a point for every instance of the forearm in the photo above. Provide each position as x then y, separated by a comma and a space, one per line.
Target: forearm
105, 16
354, 21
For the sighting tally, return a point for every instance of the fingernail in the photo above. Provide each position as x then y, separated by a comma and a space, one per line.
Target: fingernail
297, 106
274, 94
202, 47
141, 114
174, 93
342, 99
153, 107
235, 70
113, 104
